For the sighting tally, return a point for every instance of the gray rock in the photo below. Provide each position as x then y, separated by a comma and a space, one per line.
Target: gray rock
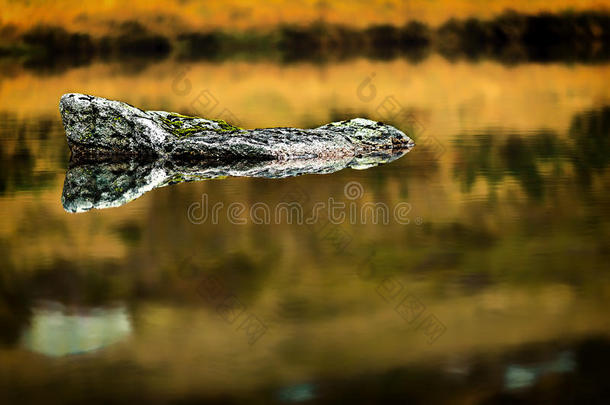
97, 128
120, 152
112, 184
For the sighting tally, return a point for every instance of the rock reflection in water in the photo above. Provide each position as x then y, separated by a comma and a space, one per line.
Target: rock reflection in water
112, 184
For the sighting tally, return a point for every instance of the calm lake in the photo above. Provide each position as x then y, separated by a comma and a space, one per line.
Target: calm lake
480, 275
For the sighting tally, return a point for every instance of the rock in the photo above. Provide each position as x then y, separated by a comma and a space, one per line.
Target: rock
97, 128
112, 184
120, 152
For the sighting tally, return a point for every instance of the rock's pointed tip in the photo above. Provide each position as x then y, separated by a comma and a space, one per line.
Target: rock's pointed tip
66, 102
67, 96
76, 99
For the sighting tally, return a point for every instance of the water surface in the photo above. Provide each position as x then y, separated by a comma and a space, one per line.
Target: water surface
492, 283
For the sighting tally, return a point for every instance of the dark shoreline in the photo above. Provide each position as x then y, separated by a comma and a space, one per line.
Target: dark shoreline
510, 38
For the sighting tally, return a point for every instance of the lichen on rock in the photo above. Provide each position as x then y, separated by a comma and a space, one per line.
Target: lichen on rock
120, 152
101, 128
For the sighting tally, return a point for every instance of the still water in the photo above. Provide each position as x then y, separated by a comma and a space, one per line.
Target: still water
490, 283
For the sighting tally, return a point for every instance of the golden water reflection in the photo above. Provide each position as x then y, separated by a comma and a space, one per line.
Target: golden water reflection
506, 246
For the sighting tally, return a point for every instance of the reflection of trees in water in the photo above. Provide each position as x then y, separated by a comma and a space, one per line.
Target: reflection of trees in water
240, 273
98, 283
14, 300
591, 134
513, 37
547, 372
494, 156
508, 38
245, 267
561, 374
54, 50
17, 157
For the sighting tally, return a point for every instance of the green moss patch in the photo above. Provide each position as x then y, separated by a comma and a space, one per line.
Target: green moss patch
177, 126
